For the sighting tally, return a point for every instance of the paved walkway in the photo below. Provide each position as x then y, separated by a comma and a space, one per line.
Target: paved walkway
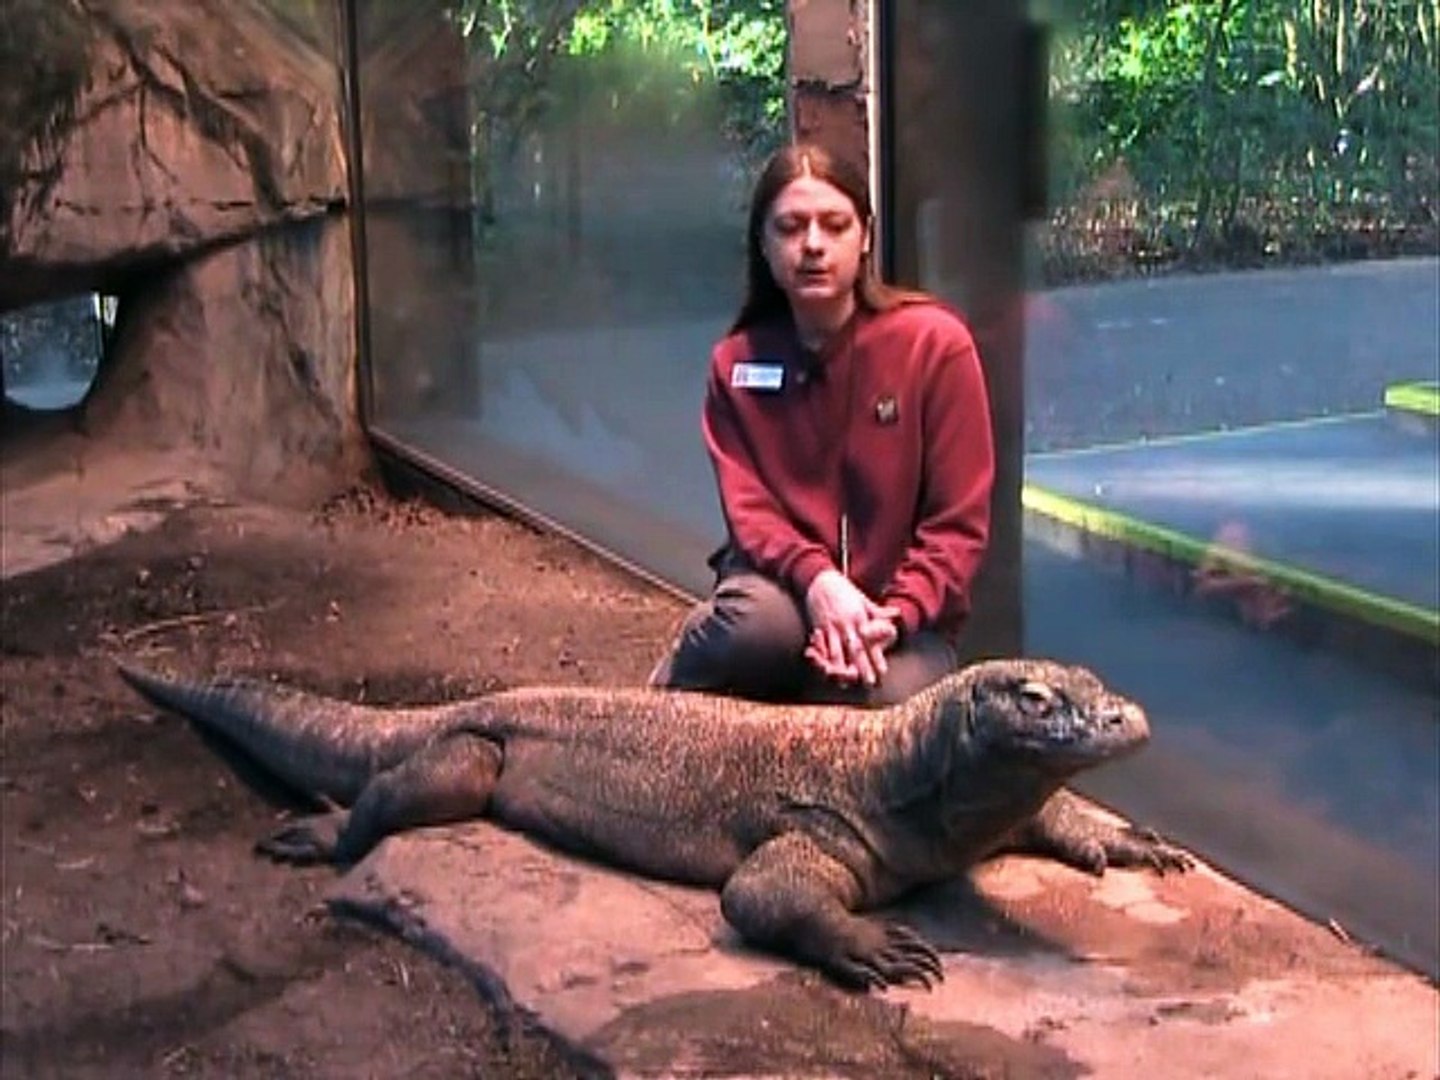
1354, 499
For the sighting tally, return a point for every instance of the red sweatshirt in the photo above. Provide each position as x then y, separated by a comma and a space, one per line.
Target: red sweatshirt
888, 429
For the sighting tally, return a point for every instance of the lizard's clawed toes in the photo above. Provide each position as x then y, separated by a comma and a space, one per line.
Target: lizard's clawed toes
306, 840
900, 957
1145, 847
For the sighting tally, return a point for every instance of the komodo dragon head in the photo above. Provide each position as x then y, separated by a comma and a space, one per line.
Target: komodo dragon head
1052, 717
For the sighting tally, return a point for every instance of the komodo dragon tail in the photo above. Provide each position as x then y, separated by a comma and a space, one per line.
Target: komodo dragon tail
318, 746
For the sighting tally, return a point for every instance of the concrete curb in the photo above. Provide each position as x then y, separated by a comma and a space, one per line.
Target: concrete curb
1414, 407
1420, 398
1399, 637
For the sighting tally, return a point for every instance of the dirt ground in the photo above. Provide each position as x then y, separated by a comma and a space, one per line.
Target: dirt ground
143, 937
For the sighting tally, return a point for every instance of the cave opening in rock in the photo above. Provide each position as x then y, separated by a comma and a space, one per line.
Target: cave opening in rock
51, 351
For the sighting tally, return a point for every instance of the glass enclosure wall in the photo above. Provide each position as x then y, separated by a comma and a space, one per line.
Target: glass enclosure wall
1231, 504
957, 100
554, 217
1212, 354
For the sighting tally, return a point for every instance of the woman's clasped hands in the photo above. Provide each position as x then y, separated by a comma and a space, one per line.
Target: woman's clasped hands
850, 633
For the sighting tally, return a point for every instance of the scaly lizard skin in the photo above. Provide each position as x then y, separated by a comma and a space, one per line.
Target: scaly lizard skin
802, 816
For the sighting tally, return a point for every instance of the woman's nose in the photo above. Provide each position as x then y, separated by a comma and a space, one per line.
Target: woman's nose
814, 236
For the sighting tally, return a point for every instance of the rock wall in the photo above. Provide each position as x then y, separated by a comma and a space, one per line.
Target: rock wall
234, 354
203, 182
203, 121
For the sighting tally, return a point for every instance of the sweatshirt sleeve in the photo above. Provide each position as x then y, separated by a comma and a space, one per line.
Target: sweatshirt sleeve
932, 583
758, 523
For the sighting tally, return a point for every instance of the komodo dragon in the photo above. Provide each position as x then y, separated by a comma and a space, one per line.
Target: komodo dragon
802, 816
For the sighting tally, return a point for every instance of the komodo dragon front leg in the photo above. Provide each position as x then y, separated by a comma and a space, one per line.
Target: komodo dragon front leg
449, 780
1065, 830
790, 896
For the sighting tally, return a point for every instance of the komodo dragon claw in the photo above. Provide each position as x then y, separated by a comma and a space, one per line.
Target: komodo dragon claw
1145, 847
306, 840
901, 957
1065, 829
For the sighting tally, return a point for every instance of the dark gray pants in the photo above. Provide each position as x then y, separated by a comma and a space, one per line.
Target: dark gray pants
748, 639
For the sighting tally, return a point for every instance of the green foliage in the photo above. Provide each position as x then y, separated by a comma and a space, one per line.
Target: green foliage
739, 45
1251, 129
663, 58
735, 45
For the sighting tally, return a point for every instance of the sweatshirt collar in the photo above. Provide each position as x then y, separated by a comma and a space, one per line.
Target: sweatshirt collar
835, 344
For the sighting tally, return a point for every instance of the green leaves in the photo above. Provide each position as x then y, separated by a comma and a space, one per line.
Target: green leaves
735, 45
664, 56
1288, 121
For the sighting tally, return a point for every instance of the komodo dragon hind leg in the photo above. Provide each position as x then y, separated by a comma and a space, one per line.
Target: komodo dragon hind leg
1065, 830
790, 896
449, 780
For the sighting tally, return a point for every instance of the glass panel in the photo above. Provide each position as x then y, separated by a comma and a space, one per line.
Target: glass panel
314, 21
1223, 513
1231, 485
52, 351
554, 213
955, 109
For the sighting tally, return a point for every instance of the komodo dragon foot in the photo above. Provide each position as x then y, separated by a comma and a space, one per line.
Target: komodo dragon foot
448, 780
792, 897
1065, 830
1132, 846
306, 840
870, 954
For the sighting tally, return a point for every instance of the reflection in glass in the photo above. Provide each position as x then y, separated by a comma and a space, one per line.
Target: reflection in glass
554, 208
1239, 265
955, 114
314, 21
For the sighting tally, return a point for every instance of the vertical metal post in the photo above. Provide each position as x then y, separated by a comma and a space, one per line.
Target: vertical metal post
348, 21
952, 109
829, 93
868, 22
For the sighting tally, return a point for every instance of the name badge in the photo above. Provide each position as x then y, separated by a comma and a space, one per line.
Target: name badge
747, 376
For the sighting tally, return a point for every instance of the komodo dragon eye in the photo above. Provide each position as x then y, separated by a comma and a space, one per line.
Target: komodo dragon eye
1036, 698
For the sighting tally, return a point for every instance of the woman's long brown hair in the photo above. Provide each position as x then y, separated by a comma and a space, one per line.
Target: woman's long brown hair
764, 299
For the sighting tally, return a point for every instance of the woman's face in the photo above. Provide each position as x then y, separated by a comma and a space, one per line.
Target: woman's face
813, 241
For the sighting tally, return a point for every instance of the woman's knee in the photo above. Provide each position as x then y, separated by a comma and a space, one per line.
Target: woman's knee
757, 616
748, 638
